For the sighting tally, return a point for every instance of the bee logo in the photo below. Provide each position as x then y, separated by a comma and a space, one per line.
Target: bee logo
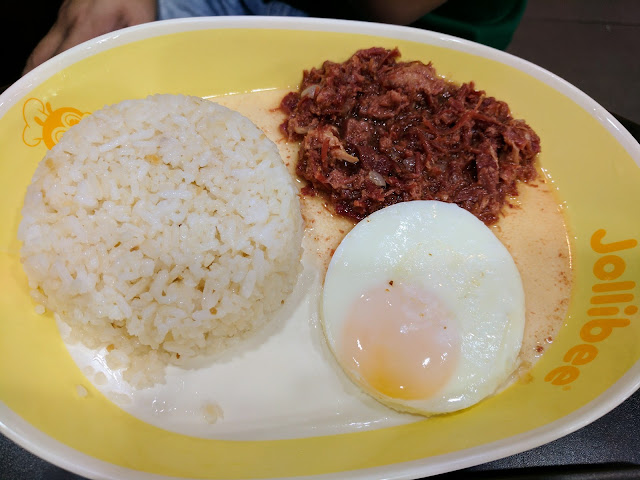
44, 124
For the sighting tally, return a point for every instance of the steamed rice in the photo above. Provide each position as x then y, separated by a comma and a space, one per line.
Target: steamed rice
162, 229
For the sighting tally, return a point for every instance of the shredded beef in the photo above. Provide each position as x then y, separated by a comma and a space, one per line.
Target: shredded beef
375, 131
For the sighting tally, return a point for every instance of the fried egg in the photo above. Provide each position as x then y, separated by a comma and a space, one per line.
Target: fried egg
423, 308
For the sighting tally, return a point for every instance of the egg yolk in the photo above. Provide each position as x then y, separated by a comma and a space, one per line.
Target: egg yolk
400, 341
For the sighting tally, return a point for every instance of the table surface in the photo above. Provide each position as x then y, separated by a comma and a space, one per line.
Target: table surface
608, 448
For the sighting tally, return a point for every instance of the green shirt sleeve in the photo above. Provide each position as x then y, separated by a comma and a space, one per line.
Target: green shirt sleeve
490, 22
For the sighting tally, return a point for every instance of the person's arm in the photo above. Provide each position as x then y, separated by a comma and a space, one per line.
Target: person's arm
400, 12
81, 20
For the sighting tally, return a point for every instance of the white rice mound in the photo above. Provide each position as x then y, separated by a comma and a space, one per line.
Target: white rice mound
161, 229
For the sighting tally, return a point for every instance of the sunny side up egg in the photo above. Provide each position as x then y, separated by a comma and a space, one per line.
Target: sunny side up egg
423, 307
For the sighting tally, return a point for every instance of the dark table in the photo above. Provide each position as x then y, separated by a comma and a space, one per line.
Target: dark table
607, 449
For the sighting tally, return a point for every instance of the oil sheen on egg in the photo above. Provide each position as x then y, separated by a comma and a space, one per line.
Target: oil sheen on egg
423, 307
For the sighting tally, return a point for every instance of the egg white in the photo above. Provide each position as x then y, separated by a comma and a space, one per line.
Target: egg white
446, 250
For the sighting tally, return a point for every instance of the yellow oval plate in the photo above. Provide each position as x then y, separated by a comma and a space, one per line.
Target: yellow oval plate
591, 367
